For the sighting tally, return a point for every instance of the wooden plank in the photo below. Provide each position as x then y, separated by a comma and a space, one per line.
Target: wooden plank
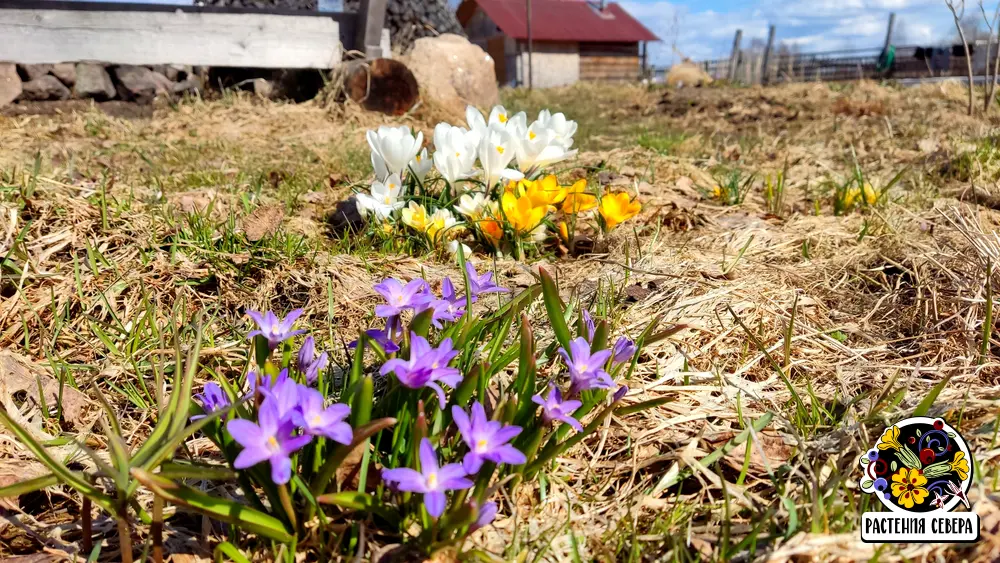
33, 36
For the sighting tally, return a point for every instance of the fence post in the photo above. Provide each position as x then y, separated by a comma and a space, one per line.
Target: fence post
734, 57
888, 32
371, 17
765, 74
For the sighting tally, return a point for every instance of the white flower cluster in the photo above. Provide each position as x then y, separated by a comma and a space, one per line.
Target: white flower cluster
495, 144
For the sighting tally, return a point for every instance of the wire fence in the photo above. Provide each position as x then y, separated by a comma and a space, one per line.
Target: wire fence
906, 62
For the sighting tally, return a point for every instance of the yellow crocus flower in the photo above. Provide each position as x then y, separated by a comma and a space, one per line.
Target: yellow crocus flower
617, 208
415, 216
577, 200
544, 191
521, 213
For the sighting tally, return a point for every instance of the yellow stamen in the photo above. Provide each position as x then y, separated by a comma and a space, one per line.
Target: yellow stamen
481, 445
499, 149
502, 117
432, 481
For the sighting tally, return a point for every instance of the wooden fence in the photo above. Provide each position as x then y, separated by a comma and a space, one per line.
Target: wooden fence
35, 32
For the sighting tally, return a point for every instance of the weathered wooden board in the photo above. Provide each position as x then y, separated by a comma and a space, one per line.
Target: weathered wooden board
32, 36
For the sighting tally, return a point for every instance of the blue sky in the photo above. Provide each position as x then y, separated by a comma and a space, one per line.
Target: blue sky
704, 29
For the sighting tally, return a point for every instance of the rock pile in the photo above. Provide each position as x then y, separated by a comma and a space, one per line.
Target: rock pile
409, 20
43, 82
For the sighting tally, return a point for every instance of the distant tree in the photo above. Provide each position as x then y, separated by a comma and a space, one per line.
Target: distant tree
992, 24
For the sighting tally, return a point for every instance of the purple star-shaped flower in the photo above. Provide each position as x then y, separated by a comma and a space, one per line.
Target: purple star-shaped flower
426, 366
443, 311
211, 398
588, 321
586, 370
431, 481
270, 439
479, 285
485, 515
555, 408
308, 363
487, 439
274, 330
622, 351
317, 420
400, 297
261, 383
386, 338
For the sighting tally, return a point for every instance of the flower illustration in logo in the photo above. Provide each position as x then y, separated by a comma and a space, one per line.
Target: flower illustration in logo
918, 465
890, 439
908, 487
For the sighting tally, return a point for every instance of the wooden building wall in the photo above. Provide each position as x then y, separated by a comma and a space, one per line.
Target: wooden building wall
609, 62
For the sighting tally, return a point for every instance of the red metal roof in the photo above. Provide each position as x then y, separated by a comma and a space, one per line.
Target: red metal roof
566, 20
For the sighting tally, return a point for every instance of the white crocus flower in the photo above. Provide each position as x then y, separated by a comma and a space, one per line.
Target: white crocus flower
384, 199
381, 172
535, 149
500, 116
453, 157
539, 233
495, 152
453, 250
421, 165
473, 206
563, 128
477, 125
395, 145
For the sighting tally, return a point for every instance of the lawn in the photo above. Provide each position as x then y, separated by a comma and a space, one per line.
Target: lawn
822, 255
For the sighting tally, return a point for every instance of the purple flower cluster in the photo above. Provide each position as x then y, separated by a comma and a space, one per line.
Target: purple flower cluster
426, 366
587, 371
486, 440
288, 418
416, 296
308, 362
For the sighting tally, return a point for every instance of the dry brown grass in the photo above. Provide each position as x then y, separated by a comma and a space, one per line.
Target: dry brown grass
888, 299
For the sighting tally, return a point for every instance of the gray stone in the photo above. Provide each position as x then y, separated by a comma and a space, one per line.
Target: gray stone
92, 81
65, 72
136, 83
191, 85
35, 71
44, 88
10, 83
163, 84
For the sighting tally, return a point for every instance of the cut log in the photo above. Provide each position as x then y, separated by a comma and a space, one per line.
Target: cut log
383, 85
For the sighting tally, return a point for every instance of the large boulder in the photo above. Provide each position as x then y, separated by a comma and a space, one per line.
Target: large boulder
453, 72
687, 74
92, 81
46, 87
10, 83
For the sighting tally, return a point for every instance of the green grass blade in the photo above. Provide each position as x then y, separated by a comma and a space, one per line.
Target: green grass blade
353, 500
555, 310
29, 486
